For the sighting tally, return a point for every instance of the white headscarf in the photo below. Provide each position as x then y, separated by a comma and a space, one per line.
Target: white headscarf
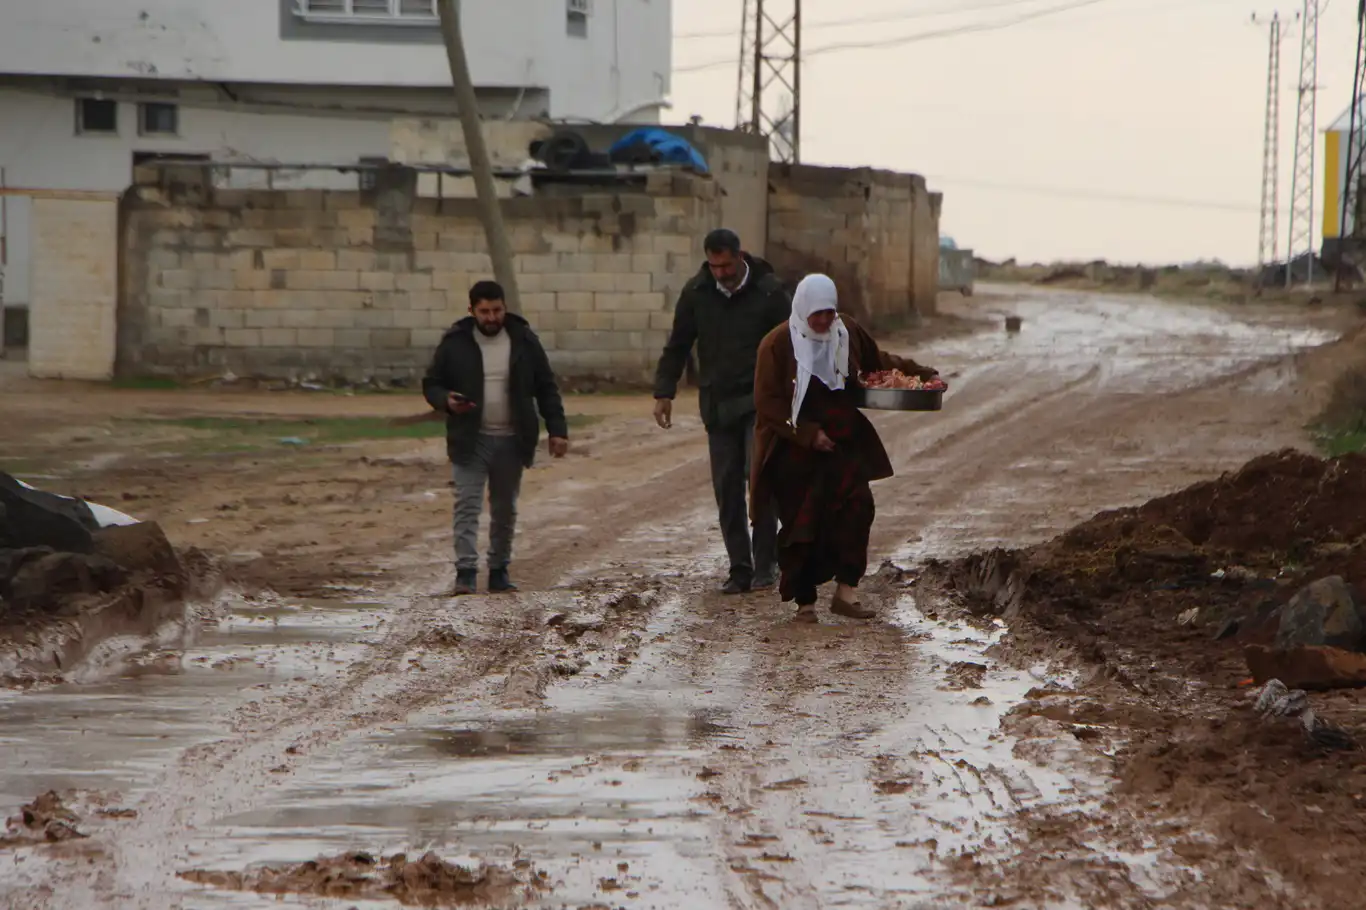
824, 356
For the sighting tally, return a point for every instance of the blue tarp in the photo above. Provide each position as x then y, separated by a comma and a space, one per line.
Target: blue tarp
670, 148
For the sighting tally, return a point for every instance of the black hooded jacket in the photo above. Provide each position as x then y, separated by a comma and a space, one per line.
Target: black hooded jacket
458, 366
727, 332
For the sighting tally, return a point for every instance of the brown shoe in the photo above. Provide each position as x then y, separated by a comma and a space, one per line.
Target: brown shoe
852, 610
806, 614
465, 580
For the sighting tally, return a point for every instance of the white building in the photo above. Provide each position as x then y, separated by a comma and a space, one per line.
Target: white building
89, 86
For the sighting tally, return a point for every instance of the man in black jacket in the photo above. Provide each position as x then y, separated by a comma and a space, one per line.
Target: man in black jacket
489, 376
727, 309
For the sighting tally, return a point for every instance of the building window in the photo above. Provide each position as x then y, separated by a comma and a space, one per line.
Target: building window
157, 118
368, 175
97, 116
576, 18
363, 12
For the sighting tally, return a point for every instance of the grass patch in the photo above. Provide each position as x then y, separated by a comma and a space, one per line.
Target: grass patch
322, 430
236, 434
146, 383
1342, 443
1342, 425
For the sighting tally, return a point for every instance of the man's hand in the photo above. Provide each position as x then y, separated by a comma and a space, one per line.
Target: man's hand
559, 446
664, 413
823, 443
459, 404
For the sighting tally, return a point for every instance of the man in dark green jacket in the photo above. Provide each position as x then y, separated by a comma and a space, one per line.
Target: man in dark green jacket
726, 310
489, 376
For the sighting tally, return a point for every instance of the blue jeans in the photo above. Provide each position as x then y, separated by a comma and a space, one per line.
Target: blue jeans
496, 463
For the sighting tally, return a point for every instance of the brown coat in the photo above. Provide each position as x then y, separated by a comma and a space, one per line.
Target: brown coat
775, 379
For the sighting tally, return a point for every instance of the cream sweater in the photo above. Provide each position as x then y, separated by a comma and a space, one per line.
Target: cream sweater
497, 415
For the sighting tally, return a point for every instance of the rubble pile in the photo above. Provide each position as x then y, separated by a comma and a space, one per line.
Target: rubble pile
1260, 572
61, 557
428, 881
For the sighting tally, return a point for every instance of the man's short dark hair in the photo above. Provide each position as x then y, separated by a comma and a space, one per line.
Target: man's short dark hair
485, 290
722, 240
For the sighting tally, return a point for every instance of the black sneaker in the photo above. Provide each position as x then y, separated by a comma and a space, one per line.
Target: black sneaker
735, 585
465, 581
500, 583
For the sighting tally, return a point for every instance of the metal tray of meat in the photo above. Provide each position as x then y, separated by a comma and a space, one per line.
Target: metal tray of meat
899, 399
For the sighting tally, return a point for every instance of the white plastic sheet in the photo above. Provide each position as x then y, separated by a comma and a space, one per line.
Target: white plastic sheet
103, 514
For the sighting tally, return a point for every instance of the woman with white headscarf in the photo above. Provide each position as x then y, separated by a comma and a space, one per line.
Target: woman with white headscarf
814, 451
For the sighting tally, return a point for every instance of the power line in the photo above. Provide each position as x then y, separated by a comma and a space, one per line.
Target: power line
1097, 195
997, 25
874, 19
917, 37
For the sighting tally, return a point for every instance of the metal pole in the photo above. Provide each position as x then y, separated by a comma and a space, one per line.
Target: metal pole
486, 191
1302, 172
796, 81
740, 76
757, 102
1266, 244
1351, 190
4, 258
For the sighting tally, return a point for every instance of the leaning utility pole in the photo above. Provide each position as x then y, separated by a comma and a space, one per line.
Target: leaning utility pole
1266, 248
744, 82
486, 191
770, 75
1301, 241
1349, 237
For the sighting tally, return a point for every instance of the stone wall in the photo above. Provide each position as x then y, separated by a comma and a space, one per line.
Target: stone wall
73, 291
876, 233
337, 284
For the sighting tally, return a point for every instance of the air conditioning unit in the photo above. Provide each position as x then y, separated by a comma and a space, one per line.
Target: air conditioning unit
581, 7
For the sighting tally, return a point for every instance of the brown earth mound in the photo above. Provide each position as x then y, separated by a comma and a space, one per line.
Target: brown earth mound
1166, 600
57, 605
1183, 582
428, 882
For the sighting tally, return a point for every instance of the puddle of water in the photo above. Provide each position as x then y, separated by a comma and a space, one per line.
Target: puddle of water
952, 781
118, 734
577, 790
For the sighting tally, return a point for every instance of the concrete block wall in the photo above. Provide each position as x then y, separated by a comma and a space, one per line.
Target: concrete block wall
874, 232
74, 288
354, 285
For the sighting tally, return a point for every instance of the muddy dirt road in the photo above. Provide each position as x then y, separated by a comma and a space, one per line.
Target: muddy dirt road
617, 726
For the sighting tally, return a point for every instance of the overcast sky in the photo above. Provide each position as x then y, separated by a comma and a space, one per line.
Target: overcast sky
1046, 135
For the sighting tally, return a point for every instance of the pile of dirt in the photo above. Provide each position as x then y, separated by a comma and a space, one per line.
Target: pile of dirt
1181, 584
40, 583
47, 818
68, 581
427, 882
1168, 601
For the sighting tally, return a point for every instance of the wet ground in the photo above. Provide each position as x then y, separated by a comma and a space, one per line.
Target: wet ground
642, 741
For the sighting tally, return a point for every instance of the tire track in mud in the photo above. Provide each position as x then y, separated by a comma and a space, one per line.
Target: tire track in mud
808, 748
830, 789
270, 737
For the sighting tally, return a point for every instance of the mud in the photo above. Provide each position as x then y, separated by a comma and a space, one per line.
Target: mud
45, 819
1165, 600
61, 611
636, 737
426, 882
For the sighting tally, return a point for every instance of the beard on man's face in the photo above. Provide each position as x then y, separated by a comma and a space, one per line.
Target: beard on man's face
490, 328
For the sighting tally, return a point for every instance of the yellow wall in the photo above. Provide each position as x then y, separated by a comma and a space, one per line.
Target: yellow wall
1332, 184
